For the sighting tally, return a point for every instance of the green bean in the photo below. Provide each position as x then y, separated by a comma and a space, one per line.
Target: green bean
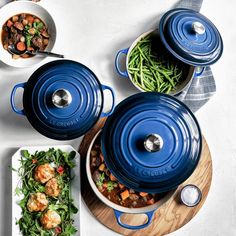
153, 72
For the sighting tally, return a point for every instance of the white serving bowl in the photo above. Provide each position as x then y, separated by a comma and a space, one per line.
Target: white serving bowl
18, 7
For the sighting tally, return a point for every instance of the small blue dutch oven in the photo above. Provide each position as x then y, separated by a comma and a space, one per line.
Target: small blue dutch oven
151, 143
188, 36
62, 99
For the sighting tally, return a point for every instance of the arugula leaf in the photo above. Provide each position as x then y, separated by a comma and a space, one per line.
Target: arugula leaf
69, 230
18, 191
58, 207
72, 155
69, 159
73, 208
25, 153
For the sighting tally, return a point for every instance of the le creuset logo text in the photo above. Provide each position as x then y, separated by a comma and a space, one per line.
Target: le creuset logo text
152, 172
64, 123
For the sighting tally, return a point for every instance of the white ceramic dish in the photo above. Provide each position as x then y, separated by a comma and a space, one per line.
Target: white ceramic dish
18, 7
75, 186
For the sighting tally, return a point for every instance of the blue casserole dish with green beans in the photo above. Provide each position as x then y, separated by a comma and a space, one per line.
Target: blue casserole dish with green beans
151, 68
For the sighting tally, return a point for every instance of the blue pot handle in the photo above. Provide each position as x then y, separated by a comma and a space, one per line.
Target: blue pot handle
117, 62
118, 215
105, 114
13, 93
199, 72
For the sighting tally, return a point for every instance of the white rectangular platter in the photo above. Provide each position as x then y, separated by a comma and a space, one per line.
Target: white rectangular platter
75, 185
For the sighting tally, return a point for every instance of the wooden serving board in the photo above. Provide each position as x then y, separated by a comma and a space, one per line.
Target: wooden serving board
168, 218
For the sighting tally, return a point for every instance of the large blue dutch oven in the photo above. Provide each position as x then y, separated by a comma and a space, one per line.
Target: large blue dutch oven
151, 143
187, 36
62, 99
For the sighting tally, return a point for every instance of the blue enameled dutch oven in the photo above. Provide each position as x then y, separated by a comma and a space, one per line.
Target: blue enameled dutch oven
151, 143
62, 99
189, 37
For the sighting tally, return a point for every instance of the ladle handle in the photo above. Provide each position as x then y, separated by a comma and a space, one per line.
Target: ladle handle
50, 54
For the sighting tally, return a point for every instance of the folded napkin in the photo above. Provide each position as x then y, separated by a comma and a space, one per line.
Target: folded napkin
202, 87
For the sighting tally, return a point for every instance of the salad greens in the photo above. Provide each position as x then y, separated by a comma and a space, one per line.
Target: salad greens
29, 223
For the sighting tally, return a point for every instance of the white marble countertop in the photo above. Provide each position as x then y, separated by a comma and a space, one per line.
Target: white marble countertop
91, 32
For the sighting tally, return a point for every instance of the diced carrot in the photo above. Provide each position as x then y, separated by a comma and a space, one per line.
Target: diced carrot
30, 19
143, 194
9, 24
121, 186
104, 185
101, 167
150, 201
21, 46
124, 194
112, 177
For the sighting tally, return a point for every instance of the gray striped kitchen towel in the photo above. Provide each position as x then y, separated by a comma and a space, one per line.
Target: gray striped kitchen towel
202, 87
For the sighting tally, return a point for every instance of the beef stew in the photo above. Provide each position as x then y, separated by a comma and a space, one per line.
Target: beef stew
25, 32
109, 186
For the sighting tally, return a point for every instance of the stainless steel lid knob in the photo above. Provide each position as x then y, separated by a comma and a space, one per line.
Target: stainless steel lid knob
153, 143
61, 98
198, 27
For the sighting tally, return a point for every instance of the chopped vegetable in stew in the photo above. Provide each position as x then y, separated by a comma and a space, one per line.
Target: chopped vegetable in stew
109, 186
25, 32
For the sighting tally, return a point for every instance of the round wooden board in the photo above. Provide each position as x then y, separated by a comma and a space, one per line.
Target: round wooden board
167, 218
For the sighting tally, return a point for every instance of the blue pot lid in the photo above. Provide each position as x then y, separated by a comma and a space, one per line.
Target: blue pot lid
152, 142
190, 37
63, 99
